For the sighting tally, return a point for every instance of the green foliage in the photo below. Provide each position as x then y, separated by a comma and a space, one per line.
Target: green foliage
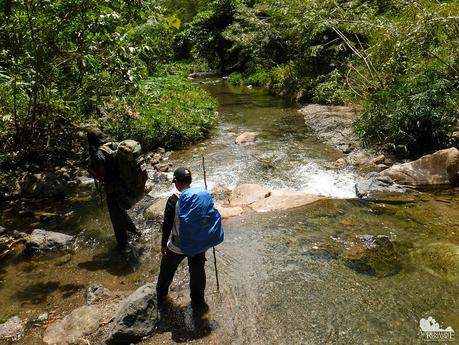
167, 111
413, 117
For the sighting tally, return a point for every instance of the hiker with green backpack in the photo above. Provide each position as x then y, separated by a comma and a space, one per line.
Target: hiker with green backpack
121, 169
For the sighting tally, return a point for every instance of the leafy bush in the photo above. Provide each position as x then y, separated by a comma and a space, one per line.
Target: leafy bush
167, 111
412, 118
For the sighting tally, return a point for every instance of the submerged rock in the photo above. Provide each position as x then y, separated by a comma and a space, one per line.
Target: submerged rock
43, 185
372, 255
439, 168
441, 259
12, 330
136, 316
375, 182
41, 240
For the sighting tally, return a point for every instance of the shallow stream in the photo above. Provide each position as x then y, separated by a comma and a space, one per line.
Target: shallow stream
273, 291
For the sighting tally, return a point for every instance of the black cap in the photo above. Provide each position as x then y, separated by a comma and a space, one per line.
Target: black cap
182, 175
96, 137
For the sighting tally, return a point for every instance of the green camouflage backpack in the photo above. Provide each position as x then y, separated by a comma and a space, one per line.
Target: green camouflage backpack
132, 171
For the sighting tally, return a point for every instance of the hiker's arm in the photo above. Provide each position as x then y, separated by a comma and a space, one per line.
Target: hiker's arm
97, 166
169, 216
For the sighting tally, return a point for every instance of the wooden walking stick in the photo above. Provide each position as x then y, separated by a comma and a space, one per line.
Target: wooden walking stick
213, 248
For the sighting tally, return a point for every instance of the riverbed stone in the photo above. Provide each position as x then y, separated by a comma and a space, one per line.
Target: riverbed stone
136, 316
378, 160
41, 240
43, 185
76, 327
228, 212
221, 193
85, 183
12, 330
332, 124
155, 211
283, 200
440, 259
372, 255
375, 182
246, 137
439, 168
245, 194
96, 293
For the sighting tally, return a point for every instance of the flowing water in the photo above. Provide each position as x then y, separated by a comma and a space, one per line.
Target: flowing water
273, 291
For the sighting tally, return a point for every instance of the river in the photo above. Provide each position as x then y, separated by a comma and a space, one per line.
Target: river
272, 290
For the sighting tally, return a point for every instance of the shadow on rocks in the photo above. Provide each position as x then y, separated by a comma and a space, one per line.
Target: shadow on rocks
184, 323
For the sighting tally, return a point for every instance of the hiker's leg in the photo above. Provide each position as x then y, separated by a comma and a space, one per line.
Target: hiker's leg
169, 264
197, 279
126, 219
118, 219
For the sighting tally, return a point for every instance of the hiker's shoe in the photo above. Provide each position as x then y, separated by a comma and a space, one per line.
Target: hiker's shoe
200, 308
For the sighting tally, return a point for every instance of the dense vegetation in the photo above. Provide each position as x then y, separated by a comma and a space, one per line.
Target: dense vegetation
66, 65
399, 59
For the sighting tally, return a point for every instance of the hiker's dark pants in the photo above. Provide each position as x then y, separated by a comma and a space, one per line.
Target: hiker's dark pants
169, 264
121, 222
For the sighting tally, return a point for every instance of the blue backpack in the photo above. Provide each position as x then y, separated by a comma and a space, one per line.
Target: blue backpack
200, 222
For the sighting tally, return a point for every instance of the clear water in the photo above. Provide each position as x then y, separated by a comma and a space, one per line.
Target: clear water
272, 290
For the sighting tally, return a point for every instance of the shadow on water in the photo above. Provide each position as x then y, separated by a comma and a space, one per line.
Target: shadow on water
183, 323
39, 292
116, 261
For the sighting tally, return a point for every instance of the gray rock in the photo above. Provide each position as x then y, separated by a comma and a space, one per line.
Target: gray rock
41, 240
372, 255
155, 211
163, 167
2, 230
136, 317
43, 317
96, 293
79, 324
85, 183
375, 182
206, 74
43, 185
13, 329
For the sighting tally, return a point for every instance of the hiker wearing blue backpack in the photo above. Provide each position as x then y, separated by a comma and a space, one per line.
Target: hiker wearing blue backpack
119, 168
191, 226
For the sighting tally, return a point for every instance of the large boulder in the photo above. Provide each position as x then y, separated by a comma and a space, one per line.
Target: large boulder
372, 255
246, 137
375, 182
155, 211
439, 168
41, 240
332, 124
245, 194
12, 330
283, 200
75, 328
136, 317
43, 185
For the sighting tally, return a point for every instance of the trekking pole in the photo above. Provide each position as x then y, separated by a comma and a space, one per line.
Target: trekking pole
99, 189
213, 248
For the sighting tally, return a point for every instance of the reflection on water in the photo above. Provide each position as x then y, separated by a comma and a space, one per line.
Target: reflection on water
273, 291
